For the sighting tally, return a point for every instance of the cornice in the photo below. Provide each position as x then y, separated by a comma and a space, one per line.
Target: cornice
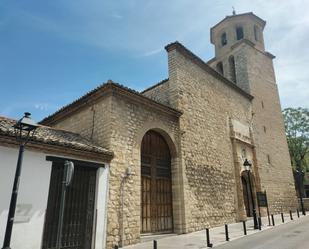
9, 141
252, 45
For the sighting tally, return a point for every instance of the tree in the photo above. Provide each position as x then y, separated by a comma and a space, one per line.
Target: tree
296, 121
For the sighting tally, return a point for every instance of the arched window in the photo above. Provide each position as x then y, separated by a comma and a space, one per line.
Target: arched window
239, 32
220, 67
232, 68
256, 32
223, 39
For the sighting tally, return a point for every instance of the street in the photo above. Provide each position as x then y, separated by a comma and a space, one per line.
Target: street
293, 235
290, 235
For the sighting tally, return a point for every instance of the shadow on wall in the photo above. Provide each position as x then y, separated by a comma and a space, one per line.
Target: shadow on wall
28, 222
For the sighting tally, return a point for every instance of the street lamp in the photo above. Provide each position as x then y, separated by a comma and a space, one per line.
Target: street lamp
24, 130
300, 175
248, 166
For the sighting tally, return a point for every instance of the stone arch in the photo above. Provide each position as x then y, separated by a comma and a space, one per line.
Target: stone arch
223, 39
219, 67
156, 184
162, 130
256, 31
170, 136
239, 32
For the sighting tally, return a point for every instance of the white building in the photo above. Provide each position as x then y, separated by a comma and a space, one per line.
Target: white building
36, 217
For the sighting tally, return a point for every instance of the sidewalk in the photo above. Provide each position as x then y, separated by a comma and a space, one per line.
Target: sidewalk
197, 240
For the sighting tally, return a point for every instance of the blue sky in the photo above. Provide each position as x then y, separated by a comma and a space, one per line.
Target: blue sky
52, 52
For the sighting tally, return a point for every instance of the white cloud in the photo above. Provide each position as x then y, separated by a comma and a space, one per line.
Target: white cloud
42, 106
153, 52
152, 23
117, 16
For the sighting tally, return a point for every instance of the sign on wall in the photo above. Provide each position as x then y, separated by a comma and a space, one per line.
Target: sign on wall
261, 199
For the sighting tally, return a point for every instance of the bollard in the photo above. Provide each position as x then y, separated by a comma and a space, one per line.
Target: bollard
208, 238
272, 219
154, 244
226, 233
244, 226
297, 212
282, 217
291, 215
260, 223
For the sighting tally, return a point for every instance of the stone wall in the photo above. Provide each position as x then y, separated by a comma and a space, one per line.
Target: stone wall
206, 148
269, 134
247, 22
118, 122
130, 121
92, 121
219, 121
159, 92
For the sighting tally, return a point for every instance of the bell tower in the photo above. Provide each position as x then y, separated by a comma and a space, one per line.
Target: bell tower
240, 56
230, 36
235, 28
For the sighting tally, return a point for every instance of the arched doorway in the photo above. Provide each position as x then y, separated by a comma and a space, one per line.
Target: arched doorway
247, 193
156, 185
246, 196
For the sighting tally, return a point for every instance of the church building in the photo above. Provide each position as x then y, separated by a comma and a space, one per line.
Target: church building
179, 146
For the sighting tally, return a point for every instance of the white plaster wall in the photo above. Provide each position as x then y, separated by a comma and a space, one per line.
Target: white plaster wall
101, 207
31, 200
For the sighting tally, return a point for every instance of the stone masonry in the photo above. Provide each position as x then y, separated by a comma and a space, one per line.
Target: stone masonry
117, 119
255, 74
211, 123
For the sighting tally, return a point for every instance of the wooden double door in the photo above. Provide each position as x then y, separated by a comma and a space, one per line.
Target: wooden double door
156, 185
78, 212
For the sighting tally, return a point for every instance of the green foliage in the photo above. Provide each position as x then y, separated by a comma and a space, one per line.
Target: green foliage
296, 121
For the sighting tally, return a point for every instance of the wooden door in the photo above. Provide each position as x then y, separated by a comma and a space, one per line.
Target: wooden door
246, 196
78, 212
156, 185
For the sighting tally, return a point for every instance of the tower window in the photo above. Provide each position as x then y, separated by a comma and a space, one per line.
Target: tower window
220, 67
239, 33
232, 68
223, 39
256, 33
262, 104
264, 127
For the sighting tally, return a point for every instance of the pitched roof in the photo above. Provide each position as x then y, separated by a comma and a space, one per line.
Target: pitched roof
154, 86
251, 14
97, 93
51, 136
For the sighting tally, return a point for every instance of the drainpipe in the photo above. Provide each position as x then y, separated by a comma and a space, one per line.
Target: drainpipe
126, 176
